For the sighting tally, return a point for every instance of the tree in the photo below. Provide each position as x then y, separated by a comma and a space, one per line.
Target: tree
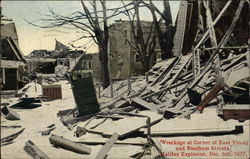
143, 44
165, 37
94, 24
93, 21
101, 35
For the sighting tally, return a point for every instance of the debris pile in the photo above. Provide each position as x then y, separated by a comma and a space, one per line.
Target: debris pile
169, 91
169, 101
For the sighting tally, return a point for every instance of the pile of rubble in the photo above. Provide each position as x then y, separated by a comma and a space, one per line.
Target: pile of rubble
135, 111
138, 108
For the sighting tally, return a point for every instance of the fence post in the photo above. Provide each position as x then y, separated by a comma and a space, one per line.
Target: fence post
111, 89
99, 90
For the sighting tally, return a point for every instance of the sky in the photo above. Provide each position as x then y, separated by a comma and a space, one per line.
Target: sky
35, 38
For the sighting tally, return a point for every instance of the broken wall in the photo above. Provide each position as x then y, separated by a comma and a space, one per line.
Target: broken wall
124, 60
96, 67
119, 50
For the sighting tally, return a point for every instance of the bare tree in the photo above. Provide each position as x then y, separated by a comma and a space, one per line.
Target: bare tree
101, 35
144, 44
93, 22
165, 36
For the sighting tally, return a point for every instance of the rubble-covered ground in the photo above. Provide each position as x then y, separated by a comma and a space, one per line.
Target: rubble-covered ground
173, 134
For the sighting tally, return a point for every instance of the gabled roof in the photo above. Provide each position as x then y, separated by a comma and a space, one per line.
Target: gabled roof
9, 30
10, 51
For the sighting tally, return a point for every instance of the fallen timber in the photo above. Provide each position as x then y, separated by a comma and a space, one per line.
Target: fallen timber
198, 132
69, 145
10, 114
11, 137
34, 151
108, 145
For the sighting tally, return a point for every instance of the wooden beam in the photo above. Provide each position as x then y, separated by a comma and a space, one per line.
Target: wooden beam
227, 47
192, 132
10, 114
3, 75
34, 151
108, 145
196, 63
69, 145
213, 40
213, 92
166, 77
11, 137
166, 71
173, 79
180, 29
168, 88
143, 103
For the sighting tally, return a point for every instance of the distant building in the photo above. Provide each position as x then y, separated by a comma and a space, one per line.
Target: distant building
87, 62
45, 61
124, 60
63, 59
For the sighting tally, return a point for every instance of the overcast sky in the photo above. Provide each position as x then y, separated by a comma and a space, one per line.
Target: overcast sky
34, 38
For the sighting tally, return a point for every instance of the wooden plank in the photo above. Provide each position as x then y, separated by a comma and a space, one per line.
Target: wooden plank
108, 145
166, 71
235, 61
69, 145
236, 107
170, 71
196, 62
11, 137
143, 103
110, 116
47, 132
210, 25
216, 88
168, 88
118, 142
180, 30
190, 132
34, 151
3, 74
127, 126
173, 79
10, 114
213, 40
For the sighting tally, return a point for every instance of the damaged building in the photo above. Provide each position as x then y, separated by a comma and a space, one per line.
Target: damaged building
61, 60
192, 21
45, 61
124, 60
13, 64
